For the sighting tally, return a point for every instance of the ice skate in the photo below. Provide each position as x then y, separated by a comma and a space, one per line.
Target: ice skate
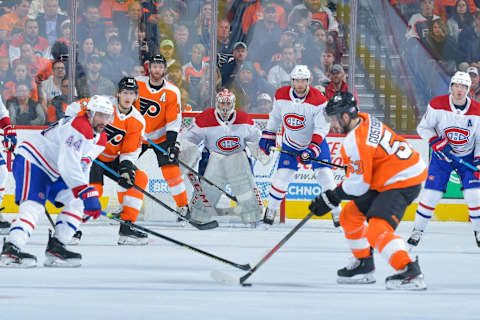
56, 255
130, 236
477, 237
269, 216
410, 278
12, 257
359, 271
184, 212
415, 237
77, 236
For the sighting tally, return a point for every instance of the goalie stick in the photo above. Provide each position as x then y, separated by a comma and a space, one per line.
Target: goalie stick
182, 244
334, 165
231, 197
201, 226
225, 278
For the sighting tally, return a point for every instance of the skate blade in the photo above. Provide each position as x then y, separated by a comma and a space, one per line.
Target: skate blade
416, 284
8, 262
128, 241
367, 278
224, 278
54, 262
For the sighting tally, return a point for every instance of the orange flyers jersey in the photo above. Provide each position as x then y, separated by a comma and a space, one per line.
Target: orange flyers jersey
160, 108
379, 159
124, 134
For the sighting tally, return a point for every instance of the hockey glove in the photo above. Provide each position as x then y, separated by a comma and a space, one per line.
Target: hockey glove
171, 147
267, 141
312, 152
91, 203
9, 138
324, 203
127, 171
440, 147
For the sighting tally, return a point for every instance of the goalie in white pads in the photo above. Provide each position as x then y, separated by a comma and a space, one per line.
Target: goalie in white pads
299, 110
54, 165
225, 133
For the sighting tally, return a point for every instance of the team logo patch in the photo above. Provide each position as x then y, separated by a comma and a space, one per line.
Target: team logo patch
286, 162
114, 135
41, 195
228, 144
294, 121
149, 107
457, 136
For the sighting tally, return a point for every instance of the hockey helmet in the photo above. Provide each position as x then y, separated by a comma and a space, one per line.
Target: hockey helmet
342, 102
300, 71
103, 104
225, 104
158, 58
461, 78
128, 83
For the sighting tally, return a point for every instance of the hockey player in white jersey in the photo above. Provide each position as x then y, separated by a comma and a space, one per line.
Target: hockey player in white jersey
9, 143
225, 133
299, 110
54, 165
451, 125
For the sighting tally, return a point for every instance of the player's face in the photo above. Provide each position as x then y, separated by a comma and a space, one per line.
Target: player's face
340, 123
300, 86
157, 71
224, 109
126, 98
100, 121
459, 91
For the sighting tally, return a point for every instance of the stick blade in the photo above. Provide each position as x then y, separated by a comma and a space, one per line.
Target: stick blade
204, 226
225, 278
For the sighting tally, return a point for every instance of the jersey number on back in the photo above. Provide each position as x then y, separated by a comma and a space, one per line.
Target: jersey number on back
150, 107
399, 148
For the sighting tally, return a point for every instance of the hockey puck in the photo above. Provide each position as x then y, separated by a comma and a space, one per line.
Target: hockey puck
246, 284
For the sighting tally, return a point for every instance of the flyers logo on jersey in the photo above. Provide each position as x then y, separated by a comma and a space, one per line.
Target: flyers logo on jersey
228, 144
114, 135
150, 107
457, 136
294, 121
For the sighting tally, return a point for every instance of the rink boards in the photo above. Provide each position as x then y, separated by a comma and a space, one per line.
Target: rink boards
300, 192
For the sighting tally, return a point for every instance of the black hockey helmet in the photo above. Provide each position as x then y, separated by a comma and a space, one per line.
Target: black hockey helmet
128, 83
342, 102
158, 58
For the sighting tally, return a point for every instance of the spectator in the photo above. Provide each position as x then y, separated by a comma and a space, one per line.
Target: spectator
66, 32
175, 76
4, 71
95, 82
315, 49
56, 107
14, 21
168, 18
20, 75
34, 62
469, 42
138, 70
193, 71
271, 52
337, 81
224, 44
141, 47
181, 37
473, 72
230, 69
91, 26
320, 13
51, 87
110, 9
115, 64
419, 22
255, 12
446, 8
264, 104
127, 24
87, 48
327, 60
50, 22
300, 21
39, 44
167, 49
203, 25
442, 46
460, 20
23, 110
279, 75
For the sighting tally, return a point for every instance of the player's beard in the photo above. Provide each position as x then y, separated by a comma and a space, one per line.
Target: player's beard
99, 128
155, 77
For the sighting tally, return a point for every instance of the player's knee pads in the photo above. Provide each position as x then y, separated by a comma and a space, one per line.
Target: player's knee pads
431, 197
281, 178
141, 179
325, 178
3, 175
472, 197
351, 218
379, 233
30, 211
172, 174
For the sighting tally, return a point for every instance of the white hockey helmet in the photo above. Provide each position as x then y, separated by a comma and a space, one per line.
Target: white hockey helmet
461, 78
225, 104
103, 104
300, 71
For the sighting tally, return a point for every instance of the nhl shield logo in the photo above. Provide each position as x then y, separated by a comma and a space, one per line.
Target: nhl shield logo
228, 144
294, 121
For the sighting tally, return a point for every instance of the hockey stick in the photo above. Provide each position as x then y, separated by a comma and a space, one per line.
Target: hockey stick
231, 280
465, 163
194, 172
334, 165
200, 226
182, 244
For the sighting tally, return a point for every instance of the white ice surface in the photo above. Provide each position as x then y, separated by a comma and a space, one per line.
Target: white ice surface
166, 281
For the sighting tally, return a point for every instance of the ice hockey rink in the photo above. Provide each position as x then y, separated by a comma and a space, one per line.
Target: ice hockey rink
166, 281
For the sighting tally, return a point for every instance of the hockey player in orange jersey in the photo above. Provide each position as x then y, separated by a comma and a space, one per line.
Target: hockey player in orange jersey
384, 176
159, 103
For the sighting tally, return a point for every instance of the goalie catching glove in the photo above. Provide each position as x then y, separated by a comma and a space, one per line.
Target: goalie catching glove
324, 203
126, 170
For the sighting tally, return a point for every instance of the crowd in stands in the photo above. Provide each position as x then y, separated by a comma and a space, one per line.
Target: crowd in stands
258, 44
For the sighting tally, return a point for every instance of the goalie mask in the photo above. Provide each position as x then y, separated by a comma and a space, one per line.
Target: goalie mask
225, 104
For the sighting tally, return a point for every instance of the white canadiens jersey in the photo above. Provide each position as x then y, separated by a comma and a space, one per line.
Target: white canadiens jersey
66, 149
460, 127
222, 137
302, 120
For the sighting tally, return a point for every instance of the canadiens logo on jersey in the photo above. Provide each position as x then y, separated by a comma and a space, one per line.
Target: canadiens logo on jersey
294, 121
150, 107
228, 144
457, 136
114, 135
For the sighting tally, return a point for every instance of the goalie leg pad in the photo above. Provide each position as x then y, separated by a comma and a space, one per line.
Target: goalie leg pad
189, 153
